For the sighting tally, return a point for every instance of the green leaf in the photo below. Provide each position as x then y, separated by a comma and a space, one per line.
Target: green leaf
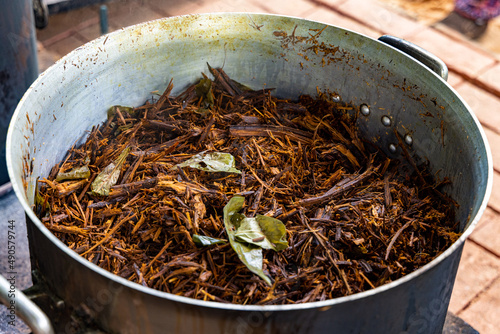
204, 90
202, 240
250, 255
109, 176
263, 231
212, 162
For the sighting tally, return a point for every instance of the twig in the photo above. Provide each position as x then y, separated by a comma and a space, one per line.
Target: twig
338, 189
395, 237
110, 233
339, 271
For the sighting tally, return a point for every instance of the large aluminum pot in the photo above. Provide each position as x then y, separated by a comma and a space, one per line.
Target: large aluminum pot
296, 56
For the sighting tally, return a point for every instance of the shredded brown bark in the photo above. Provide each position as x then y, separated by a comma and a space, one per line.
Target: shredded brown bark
354, 218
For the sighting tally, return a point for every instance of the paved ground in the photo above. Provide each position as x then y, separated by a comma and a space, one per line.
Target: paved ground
432, 12
474, 73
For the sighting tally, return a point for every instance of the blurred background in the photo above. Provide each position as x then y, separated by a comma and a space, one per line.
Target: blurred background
75, 22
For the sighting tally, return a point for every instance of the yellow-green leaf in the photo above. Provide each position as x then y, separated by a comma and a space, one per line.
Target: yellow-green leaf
203, 240
82, 172
109, 176
211, 162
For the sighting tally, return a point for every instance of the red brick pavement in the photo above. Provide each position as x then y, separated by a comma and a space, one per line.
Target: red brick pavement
491, 79
474, 73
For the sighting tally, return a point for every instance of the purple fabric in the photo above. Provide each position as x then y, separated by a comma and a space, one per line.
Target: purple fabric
478, 9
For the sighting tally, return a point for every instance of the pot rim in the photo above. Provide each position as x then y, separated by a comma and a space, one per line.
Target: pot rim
20, 192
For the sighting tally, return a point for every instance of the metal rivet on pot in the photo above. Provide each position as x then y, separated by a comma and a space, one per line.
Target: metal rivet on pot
60, 304
408, 140
386, 120
365, 110
392, 148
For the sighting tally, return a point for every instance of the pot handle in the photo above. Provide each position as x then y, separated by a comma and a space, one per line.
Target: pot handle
32, 315
425, 57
